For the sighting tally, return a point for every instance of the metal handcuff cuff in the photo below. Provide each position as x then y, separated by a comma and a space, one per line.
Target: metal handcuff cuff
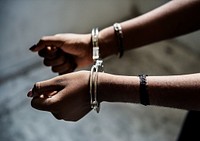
97, 67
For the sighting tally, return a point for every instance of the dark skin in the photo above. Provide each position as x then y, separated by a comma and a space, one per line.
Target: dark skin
67, 96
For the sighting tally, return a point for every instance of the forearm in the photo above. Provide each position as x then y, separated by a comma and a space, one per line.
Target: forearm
178, 91
175, 18
118, 88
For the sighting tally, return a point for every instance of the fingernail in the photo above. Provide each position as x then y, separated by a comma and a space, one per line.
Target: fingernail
30, 94
32, 48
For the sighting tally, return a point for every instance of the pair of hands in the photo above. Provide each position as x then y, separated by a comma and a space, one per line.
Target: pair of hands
65, 96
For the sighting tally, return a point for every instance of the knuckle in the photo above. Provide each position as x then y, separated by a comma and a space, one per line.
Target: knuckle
58, 68
44, 38
57, 116
59, 81
43, 105
35, 104
41, 53
54, 69
46, 62
36, 87
62, 60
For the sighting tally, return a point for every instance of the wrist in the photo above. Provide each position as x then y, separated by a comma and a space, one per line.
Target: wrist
108, 42
116, 88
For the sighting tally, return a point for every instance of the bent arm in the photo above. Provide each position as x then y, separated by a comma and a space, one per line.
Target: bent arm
176, 91
175, 18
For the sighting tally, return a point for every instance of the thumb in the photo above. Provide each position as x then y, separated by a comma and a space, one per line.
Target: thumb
47, 41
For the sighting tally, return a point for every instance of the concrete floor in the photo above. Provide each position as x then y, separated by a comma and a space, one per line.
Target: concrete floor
24, 22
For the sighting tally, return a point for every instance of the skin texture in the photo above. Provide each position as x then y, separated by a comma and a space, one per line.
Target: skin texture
67, 96
65, 52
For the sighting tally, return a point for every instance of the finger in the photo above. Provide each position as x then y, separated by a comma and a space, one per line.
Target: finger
61, 68
50, 104
68, 70
66, 67
56, 61
72, 67
46, 87
30, 94
47, 41
44, 104
48, 94
45, 94
57, 116
49, 52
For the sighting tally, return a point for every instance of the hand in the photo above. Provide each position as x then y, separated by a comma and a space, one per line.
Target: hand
66, 97
65, 52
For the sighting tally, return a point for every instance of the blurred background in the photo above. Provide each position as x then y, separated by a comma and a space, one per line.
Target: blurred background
24, 22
